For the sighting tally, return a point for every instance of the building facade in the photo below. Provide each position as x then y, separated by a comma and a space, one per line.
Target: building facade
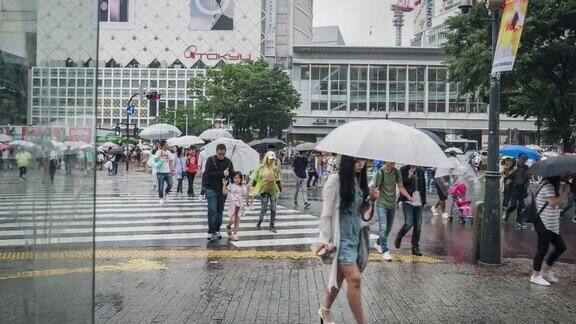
148, 45
409, 85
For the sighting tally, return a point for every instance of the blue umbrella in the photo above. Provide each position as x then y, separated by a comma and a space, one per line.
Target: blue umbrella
515, 150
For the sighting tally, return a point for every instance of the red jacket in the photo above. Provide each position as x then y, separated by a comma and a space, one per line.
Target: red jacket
192, 163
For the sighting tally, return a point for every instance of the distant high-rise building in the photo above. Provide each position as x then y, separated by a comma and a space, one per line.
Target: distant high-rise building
429, 17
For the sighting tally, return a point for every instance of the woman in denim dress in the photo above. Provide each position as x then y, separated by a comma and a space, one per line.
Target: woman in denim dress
341, 230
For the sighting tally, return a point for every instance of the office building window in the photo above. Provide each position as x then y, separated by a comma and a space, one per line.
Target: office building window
397, 84
416, 88
358, 88
457, 102
338, 87
378, 88
319, 76
436, 89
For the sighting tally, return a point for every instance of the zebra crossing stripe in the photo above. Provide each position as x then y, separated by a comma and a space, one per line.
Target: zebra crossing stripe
88, 221
200, 227
146, 237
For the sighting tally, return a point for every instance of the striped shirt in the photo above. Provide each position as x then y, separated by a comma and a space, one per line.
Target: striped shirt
550, 216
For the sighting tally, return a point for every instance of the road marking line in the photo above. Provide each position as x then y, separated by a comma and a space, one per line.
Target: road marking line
190, 254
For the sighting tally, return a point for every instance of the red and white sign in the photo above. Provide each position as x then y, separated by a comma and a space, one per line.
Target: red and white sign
80, 134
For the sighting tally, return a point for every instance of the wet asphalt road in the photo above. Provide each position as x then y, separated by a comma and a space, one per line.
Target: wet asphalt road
455, 241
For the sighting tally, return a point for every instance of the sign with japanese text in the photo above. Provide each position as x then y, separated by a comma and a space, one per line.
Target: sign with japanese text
511, 25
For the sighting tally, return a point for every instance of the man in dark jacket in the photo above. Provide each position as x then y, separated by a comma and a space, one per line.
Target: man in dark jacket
414, 182
218, 168
299, 166
518, 180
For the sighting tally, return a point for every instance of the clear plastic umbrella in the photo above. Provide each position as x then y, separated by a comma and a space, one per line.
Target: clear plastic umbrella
384, 140
454, 150
214, 134
5, 138
160, 132
21, 143
244, 158
307, 146
185, 141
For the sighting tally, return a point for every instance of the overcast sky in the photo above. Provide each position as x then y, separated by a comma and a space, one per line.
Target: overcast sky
357, 18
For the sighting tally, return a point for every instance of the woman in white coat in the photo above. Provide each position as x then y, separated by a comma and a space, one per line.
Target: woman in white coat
343, 237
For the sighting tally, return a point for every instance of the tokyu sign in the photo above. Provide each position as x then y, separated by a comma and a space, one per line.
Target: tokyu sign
192, 53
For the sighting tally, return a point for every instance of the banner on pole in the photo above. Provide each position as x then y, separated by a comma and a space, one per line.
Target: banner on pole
270, 28
511, 25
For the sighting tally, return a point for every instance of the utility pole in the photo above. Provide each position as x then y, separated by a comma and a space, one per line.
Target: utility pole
490, 250
186, 124
128, 113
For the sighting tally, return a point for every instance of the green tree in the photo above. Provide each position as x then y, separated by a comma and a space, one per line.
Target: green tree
543, 81
255, 98
196, 122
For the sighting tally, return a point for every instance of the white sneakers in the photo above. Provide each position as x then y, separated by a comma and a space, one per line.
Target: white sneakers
445, 216
434, 211
378, 247
161, 201
539, 281
387, 256
550, 277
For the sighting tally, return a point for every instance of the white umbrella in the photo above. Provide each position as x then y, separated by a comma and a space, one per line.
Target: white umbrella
106, 146
245, 158
454, 150
185, 141
160, 132
384, 140
74, 144
307, 146
21, 143
58, 146
216, 133
5, 138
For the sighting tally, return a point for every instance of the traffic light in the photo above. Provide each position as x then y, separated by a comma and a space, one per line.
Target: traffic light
117, 130
153, 96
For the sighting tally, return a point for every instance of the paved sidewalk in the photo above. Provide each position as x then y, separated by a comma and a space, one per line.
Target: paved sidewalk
289, 291
199, 286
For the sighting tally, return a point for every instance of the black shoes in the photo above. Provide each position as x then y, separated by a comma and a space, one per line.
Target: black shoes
416, 251
272, 229
259, 224
398, 241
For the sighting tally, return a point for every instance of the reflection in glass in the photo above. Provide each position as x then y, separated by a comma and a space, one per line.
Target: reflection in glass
47, 167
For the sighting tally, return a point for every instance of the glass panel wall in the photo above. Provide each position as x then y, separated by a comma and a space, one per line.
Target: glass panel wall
456, 103
358, 88
319, 78
378, 88
397, 84
361, 87
416, 88
436, 89
338, 87
48, 159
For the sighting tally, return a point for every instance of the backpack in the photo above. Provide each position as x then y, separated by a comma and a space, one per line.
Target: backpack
530, 214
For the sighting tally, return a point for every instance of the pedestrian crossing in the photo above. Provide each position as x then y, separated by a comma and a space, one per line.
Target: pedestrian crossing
128, 213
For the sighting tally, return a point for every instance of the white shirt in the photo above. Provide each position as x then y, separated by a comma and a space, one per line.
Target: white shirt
202, 160
168, 159
550, 216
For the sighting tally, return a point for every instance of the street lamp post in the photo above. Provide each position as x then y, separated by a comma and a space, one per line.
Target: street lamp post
490, 250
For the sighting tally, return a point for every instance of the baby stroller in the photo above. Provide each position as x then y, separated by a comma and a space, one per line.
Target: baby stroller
461, 206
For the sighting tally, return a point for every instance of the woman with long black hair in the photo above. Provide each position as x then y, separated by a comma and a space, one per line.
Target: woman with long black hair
343, 240
548, 200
